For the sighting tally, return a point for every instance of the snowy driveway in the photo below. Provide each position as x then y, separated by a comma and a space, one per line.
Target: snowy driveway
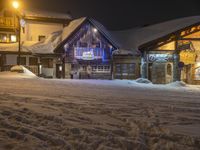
95, 114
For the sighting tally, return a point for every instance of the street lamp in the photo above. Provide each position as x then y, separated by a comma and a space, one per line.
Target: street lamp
16, 6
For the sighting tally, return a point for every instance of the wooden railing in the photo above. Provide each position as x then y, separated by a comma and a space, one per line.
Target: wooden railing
8, 22
33, 69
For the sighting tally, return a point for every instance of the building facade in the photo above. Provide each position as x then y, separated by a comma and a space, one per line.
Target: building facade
88, 51
34, 27
174, 56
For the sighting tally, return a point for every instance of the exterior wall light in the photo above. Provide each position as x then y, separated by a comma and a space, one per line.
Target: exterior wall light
95, 30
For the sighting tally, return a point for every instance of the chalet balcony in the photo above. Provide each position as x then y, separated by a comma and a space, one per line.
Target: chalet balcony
8, 23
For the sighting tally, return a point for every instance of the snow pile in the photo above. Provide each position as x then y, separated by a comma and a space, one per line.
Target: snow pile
143, 80
19, 69
177, 84
23, 71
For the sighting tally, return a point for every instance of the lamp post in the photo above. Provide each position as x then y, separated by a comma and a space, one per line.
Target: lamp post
16, 6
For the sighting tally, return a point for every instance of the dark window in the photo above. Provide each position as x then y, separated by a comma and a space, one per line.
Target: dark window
33, 61
131, 68
96, 45
82, 44
22, 60
41, 38
125, 68
47, 62
169, 69
107, 54
118, 68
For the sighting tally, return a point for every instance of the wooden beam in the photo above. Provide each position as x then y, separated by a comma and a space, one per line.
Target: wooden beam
50, 20
166, 39
190, 39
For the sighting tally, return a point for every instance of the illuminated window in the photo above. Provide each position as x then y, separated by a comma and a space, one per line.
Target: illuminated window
3, 37
13, 38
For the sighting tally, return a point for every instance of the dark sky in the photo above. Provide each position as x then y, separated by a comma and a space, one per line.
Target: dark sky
121, 14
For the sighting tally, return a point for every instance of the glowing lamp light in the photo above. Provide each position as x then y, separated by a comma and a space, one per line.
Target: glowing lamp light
60, 68
13, 38
95, 30
15, 4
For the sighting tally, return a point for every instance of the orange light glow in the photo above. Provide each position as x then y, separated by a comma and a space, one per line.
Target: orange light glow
15, 4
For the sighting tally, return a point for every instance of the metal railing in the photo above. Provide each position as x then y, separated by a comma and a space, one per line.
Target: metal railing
8, 22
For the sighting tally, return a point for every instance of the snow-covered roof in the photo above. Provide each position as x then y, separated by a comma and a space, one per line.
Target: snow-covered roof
105, 32
13, 47
133, 38
41, 14
43, 47
46, 14
75, 24
48, 45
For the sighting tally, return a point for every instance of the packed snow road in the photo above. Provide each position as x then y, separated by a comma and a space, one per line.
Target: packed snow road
47, 114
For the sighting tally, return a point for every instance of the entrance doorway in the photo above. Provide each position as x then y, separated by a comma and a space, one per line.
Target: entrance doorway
150, 71
186, 73
58, 71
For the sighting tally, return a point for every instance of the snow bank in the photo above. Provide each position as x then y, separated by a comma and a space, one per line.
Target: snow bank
18, 71
143, 80
177, 84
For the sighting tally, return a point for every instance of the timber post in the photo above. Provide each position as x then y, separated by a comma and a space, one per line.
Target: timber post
176, 69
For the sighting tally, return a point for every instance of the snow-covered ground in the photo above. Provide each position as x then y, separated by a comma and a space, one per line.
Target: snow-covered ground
50, 114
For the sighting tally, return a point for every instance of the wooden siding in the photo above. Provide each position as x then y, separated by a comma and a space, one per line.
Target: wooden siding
8, 22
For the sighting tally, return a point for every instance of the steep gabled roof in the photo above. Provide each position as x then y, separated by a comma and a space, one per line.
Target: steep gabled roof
76, 24
72, 27
134, 38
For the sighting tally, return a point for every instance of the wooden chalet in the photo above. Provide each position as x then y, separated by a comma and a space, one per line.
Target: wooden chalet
35, 27
85, 43
170, 50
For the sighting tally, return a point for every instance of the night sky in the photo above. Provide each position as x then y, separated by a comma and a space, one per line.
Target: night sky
120, 14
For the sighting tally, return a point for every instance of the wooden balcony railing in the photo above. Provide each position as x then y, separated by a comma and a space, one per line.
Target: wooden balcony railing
8, 22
